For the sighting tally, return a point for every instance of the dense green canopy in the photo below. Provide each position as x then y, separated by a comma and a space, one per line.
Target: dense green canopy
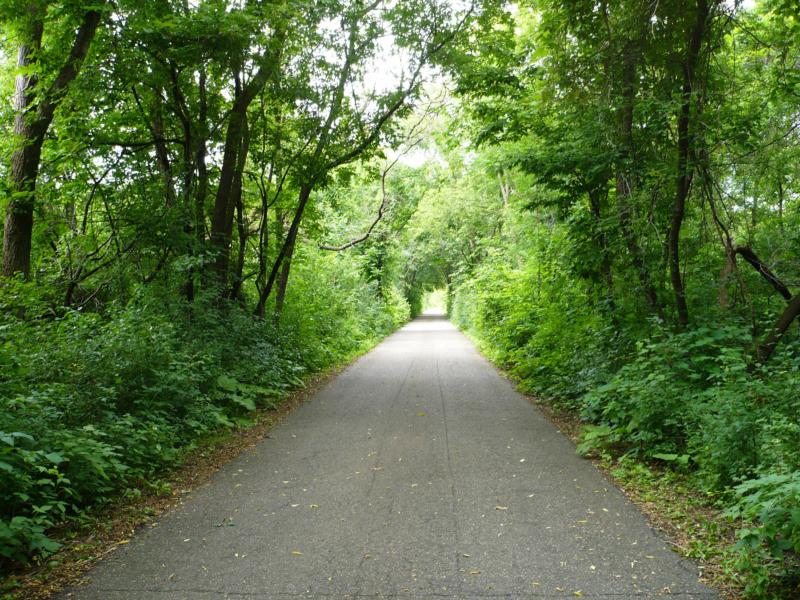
206, 200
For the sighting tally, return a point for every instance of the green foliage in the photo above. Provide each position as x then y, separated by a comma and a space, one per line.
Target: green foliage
97, 405
772, 545
572, 285
155, 235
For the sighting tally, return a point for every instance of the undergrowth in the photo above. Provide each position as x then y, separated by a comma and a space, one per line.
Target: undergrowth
97, 405
695, 402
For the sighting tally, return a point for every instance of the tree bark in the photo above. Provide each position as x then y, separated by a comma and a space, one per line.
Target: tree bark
685, 169
200, 193
283, 281
33, 115
236, 288
750, 256
606, 263
624, 179
291, 236
222, 219
766, 349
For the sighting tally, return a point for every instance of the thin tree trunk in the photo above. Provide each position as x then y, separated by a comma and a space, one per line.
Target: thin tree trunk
685, 170
291, 236
238, 274
201, 188
767, 348
606, 263
624, 179
222, 219
283, 281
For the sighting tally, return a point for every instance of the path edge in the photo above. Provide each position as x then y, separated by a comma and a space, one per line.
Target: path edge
84, 546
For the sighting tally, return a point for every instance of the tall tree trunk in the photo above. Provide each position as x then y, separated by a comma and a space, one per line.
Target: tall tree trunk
33, 114
606, 263
24, 165
238, 274
625, 178
225, 202
685, 169
201, 187
200, 160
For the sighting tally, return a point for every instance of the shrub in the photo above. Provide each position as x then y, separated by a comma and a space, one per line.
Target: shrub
93, 405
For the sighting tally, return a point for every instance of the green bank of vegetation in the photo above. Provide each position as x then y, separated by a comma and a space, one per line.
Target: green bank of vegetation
621, 235
190, 193
207, 200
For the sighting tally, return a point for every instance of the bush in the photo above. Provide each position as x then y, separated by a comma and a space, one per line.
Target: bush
555, 346
692, 400
94, 405
769, 549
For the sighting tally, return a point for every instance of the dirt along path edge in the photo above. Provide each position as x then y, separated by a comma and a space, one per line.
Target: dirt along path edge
113, 526
418, 472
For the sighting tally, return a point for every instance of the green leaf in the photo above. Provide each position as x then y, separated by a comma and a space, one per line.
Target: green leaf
54, 458
229, 384
244, 401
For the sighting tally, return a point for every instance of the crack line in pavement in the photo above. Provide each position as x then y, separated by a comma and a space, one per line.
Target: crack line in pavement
378, 454
452, 480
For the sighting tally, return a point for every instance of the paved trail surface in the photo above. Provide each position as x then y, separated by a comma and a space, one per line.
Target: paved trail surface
418, 473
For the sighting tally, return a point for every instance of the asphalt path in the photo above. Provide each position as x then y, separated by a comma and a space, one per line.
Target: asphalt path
419, 472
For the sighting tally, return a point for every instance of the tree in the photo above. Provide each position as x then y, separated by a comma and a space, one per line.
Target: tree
37, 95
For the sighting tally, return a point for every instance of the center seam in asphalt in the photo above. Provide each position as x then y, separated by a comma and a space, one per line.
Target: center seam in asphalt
378, 459
453, 495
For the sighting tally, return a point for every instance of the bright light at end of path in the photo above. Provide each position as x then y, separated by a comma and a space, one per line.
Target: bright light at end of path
428, 322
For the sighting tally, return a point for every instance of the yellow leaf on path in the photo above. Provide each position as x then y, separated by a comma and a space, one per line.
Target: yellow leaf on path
501, 508
577, 593
474, 572
421, 413
124, 542
297, 553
